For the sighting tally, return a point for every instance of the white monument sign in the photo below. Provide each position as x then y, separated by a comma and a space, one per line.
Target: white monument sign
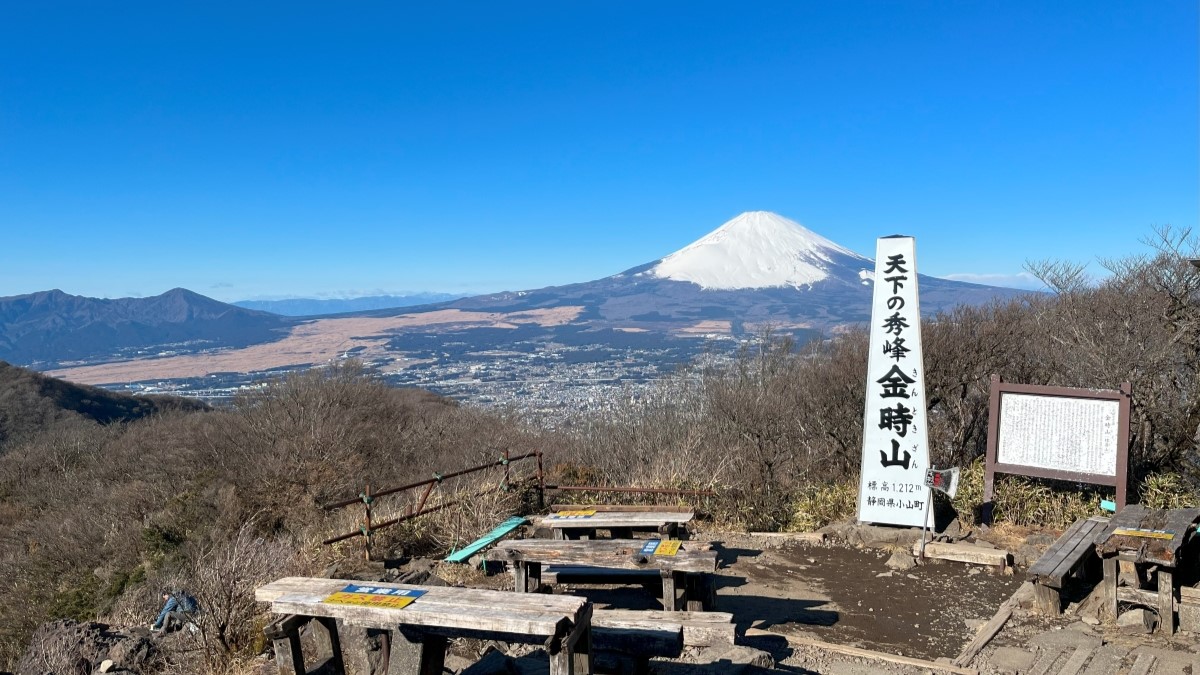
895, 446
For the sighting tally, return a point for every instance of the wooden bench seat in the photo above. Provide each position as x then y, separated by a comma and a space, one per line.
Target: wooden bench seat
622, 524
692, 566
418, 633
1069, 554
625, 640
699, 629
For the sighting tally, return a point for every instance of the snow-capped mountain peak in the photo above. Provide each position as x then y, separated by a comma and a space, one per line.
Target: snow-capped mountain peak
757, 249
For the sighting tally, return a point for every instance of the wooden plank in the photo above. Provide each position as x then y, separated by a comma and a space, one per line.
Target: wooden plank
1050, 560
1047, 599
1143, 664
622, 508
636, 520
1082, 549
864, 653
609, 553
1077, 661
993, 626
1166, 601
497, 533
815, 538
1137, 596
453, 608
1074, 552
700, 629
965, 553
434, 595
1112, 575
289, 660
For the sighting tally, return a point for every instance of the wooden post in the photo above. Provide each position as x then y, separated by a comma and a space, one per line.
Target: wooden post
541, 479
325, 634
506, 470
533, 576
520, 577
367, 522
668, 589
416, 653
1047, 599
284, 634
580, 644
1166, 601
1112, 574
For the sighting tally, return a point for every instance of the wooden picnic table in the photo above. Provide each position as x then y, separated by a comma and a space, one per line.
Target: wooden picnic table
418, 633
1147, 537
622, 524
691, 567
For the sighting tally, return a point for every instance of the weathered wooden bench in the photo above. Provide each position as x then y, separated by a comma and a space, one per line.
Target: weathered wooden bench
625, 640
417, 634
1073, 552
1157, 540
621, 524
691, 568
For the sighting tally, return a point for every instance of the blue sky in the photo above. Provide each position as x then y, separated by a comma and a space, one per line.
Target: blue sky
257, 149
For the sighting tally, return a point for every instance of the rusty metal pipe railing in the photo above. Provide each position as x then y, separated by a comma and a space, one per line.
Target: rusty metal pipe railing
430, 481
366, 531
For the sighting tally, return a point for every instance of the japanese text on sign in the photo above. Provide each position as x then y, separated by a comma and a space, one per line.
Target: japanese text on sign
1062, 433
374, 596
895, 449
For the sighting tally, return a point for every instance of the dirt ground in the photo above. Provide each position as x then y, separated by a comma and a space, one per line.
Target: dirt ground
848, 596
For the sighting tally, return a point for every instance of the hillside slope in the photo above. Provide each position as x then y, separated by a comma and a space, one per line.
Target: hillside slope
52, 327
31, 402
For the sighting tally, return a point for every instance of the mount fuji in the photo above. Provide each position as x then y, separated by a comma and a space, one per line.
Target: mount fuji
757, 269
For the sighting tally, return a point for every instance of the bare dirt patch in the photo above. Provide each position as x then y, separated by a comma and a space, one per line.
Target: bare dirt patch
848, 596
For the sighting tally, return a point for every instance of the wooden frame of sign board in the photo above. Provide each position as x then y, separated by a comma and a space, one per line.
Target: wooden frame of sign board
994, 460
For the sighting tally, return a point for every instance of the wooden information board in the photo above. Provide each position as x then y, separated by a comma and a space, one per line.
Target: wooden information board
1077, 435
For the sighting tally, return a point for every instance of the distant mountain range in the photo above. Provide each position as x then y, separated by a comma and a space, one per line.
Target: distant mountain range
52, 327
757, 269
324, 306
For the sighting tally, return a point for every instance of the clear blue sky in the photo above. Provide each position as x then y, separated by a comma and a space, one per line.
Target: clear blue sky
255, 149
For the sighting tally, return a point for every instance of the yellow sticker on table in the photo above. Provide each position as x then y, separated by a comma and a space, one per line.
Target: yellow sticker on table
1138, 532
656, 547
363, 595
668, 547
581, 513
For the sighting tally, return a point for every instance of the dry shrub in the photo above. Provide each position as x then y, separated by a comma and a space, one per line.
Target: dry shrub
223, 576
819, 505
1168, 491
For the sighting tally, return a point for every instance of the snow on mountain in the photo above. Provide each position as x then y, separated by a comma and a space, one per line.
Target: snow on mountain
757, 249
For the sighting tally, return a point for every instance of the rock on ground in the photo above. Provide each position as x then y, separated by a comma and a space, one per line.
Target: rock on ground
68, 647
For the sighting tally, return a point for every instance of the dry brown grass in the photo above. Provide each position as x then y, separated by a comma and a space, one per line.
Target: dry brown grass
313, 342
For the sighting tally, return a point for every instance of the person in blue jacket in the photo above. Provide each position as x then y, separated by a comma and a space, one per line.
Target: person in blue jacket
177, 606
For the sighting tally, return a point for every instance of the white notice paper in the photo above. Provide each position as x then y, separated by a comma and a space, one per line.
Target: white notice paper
1056, 432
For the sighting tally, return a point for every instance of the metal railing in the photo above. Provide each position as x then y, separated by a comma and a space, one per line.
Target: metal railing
367, 498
